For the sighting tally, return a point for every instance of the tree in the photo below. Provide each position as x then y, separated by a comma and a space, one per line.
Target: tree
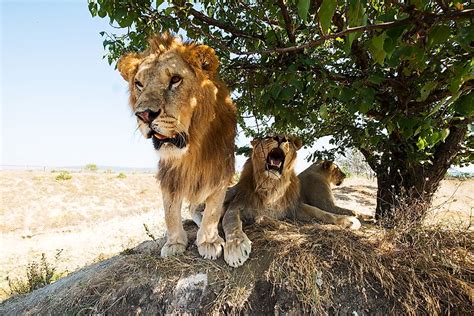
392, 79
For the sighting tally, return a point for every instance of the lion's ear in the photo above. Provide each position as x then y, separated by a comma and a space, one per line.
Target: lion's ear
296, 141
327, 164
128, 65
202, 57
254, 141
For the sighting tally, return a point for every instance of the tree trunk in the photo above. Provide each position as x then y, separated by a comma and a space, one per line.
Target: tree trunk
404, 194
406, 188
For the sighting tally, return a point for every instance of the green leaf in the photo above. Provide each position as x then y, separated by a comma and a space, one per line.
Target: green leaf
287, 93
303, 8
93, 8
367, 100
421, 143
356, 17
323, 112
444, 133
464, 106
438, 35
376, 48
426, 90
376, 78
326, 11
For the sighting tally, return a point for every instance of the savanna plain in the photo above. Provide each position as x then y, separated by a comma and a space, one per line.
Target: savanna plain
74, 219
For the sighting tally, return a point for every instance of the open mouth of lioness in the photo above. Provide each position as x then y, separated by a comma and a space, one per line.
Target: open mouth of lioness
275, 161
179, 140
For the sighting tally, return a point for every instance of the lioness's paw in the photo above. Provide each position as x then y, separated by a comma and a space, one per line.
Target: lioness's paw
211, 249
237, 250
350, 222
172, 249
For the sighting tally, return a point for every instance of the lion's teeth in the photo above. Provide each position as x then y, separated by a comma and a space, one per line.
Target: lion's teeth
274, 163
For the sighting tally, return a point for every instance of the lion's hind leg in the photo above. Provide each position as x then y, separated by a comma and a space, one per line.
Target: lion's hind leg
307, 212
196, 211
238, 246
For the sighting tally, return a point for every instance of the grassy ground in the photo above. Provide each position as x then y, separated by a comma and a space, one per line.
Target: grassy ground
95, 215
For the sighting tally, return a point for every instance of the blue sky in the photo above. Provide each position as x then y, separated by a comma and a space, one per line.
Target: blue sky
62, 104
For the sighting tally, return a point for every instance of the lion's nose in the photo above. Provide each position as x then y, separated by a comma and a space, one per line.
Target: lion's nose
147, 116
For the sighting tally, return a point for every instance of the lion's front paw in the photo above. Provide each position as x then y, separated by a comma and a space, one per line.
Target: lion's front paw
170, 249
175, 246
210, 247
350, 222
237, 250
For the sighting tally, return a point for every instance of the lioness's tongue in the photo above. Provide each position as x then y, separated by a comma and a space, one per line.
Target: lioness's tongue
275, 162
159, 136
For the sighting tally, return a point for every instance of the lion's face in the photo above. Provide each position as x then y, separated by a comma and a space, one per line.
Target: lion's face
165, 88
333, 172
165, 104
274, 156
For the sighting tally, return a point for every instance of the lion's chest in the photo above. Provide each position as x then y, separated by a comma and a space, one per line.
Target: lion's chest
272, 204
193, 185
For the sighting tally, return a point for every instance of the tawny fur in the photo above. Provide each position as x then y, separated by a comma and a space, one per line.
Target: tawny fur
316, 189
200, 107
260, 194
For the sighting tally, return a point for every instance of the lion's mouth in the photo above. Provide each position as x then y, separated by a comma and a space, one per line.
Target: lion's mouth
275, 160
179, 140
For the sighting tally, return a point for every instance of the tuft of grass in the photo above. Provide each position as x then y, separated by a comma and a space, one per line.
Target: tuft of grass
63, 175
38, 274
121, 175
91, 167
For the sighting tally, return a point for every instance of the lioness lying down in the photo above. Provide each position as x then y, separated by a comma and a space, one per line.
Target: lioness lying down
315, 188
269, 187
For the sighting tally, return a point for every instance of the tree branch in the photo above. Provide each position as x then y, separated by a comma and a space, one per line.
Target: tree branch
288, 24
224, 26
428, 18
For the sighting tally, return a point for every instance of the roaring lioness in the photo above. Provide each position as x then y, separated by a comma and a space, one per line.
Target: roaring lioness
187, 112
268, 187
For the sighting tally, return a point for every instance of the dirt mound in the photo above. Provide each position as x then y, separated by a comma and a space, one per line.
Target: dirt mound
293, 268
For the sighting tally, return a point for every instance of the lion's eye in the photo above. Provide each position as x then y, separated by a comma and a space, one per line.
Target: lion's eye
138, 85
175, 81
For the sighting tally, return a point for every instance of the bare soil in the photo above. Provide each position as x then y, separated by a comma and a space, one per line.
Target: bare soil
93, 216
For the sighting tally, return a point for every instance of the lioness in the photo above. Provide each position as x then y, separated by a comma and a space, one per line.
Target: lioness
268, 186
187, 112
316, 183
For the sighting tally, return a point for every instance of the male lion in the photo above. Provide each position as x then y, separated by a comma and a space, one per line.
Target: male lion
316, 183
188, 113
268, 187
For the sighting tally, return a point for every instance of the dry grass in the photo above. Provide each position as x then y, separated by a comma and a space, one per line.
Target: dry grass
317, 268
420, 269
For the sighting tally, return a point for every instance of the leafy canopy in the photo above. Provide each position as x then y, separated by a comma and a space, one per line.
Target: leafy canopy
381, 76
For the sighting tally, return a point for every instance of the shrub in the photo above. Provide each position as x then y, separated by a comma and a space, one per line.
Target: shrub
121, 175
38, 274
91, 167
63, 175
